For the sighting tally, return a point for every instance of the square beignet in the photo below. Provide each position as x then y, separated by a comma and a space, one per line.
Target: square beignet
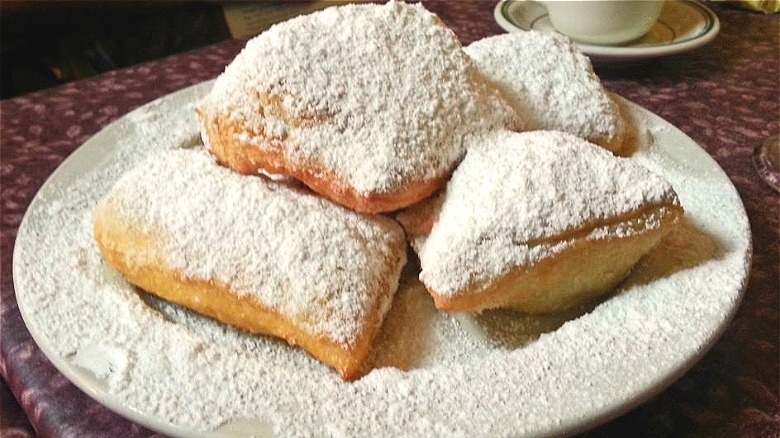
260, 255
538, 221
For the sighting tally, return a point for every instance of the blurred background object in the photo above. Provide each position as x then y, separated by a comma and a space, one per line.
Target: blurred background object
246, 19
766, 6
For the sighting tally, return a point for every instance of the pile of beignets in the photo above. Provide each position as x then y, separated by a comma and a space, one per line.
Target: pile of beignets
336, 139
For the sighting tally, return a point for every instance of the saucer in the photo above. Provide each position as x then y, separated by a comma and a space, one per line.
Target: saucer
684, 25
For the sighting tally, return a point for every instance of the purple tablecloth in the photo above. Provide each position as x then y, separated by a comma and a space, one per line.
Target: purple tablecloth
726, 96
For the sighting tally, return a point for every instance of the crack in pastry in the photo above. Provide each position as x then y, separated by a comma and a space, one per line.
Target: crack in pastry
551, 86
263, 256
368, 105
538, 221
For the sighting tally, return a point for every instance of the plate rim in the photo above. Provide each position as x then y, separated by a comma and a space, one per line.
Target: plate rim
92, 387
618, 53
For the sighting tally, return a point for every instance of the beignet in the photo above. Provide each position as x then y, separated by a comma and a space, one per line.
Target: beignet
537, 221
365, 104
551, 86
253, 253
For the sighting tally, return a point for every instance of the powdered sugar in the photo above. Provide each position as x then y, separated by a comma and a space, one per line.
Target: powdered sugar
315, 262
181, 373
549, 83
379, 95
540, 185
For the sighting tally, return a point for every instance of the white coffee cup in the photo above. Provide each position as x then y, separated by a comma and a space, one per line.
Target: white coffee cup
603, 21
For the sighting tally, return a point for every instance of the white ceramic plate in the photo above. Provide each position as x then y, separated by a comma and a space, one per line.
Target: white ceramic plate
684, 25
498, 374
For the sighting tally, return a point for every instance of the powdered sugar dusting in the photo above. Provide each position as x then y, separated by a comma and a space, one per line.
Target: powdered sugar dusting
541, 184
549, 83
181, 373
380, 95
315, 262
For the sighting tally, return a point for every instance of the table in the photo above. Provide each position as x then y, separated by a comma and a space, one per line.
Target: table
726, 96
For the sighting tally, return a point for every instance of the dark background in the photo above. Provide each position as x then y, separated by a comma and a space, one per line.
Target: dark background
47, 43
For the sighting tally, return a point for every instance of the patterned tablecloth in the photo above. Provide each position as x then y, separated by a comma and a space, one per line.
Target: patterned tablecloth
726, 96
